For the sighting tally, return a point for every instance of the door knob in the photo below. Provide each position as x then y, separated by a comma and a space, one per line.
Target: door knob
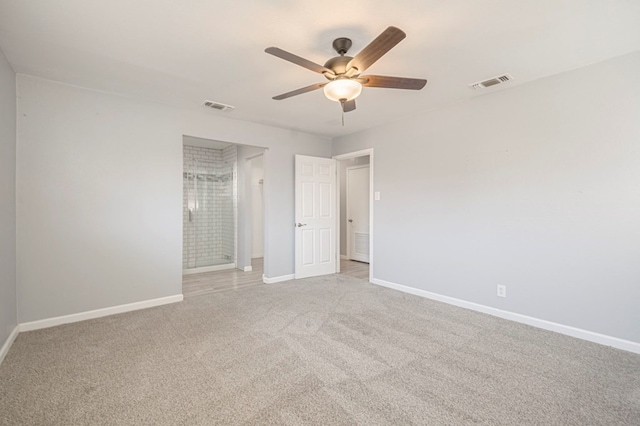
301, 224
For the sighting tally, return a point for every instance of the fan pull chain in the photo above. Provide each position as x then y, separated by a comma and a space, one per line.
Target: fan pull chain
343, 118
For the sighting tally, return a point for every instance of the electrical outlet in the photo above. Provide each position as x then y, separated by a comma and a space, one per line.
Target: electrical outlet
502, 291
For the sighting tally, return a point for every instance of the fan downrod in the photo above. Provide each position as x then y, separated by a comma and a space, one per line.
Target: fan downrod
342, 45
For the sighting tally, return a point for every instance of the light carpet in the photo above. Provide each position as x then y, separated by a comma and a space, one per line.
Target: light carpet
328, 350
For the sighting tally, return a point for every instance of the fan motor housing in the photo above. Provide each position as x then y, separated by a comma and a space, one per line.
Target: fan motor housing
338, 64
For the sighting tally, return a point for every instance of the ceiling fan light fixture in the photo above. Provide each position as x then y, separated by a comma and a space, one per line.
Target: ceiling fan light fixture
344, 72
342, 90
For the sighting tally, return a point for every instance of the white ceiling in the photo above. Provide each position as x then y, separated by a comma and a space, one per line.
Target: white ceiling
183, 52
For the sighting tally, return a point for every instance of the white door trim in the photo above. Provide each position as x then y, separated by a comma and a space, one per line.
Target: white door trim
347, 156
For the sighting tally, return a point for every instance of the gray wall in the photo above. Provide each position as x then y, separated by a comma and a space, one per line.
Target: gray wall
8, 310
536, 187
343, 164
100, 195
99, 223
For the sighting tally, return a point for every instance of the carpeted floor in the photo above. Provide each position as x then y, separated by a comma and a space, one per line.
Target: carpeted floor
330, 350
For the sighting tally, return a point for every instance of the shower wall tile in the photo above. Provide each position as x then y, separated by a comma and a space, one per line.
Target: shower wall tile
210, 237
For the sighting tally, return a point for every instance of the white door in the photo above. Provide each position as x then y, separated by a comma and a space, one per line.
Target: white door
316, 216
358, 213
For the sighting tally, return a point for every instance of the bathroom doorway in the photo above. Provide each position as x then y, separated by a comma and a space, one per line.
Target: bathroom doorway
223, 216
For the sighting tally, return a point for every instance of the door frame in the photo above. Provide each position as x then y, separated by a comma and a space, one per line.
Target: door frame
348, 233
348, 156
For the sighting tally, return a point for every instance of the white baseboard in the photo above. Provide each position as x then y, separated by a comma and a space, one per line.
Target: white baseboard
277, 279
7, 344
344, 257
248, 269
257, 255
213, 268
602, 339
82, 316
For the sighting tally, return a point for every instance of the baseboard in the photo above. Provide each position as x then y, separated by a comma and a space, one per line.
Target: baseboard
591, 336
208, 269
248, 269
257, 255
7, 344
344, 257
277, 279
82, 316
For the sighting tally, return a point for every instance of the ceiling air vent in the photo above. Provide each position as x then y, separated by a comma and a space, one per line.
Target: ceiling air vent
218, 106
491, 82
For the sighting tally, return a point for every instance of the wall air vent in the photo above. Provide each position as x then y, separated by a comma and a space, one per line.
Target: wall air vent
491, 82
218, 106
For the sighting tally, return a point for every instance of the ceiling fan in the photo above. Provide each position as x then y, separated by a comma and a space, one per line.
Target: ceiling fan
344, 72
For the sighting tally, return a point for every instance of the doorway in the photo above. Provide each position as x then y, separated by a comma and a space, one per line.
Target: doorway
223, 215
355, 200
357, 211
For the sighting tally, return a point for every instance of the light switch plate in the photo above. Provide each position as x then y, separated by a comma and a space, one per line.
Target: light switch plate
376, 195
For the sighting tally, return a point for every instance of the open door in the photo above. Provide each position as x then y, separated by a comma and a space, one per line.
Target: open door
316, 216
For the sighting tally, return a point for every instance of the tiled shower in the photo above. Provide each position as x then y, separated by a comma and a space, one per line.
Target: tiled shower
209, 208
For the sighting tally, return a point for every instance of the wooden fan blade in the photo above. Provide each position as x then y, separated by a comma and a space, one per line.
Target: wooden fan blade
393, 82
305, 63
299, 91
349, 106
378, 47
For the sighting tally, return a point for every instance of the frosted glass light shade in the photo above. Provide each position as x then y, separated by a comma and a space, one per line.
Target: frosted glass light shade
342, 89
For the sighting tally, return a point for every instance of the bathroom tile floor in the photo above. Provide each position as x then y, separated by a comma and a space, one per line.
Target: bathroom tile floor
226, 280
